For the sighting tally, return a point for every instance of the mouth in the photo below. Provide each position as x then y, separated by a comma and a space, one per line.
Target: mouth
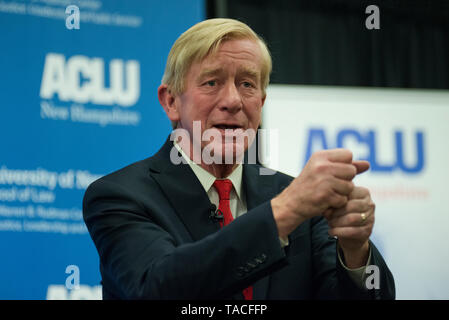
227, 126
232, 135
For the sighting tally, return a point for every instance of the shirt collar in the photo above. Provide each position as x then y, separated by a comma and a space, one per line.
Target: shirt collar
207, 179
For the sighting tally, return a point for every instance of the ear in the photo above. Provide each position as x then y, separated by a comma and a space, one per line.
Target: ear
168, 102
263, 99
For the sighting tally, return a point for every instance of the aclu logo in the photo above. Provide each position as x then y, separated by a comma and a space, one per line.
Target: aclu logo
82, 79
79, 80
317, 139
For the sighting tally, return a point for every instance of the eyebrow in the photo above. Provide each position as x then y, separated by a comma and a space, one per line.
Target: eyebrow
216, 71
250, 72
210, 72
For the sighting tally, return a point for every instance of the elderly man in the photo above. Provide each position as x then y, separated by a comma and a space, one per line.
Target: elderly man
155, 223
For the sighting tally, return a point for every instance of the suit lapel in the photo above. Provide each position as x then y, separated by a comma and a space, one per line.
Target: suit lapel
184, 192
258, 190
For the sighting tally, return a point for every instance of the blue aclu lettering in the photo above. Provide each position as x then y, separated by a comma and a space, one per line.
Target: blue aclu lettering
317, 140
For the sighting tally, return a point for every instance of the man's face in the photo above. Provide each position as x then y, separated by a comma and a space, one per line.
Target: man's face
224, 92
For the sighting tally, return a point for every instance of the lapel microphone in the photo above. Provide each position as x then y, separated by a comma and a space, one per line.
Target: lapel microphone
215, 214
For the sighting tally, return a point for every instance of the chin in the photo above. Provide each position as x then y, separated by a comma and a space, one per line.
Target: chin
233, 153
223, 153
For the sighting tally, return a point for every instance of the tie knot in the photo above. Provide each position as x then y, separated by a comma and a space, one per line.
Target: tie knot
224, 188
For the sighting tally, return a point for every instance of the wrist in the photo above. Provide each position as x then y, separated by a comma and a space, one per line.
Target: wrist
286, 219
355, 257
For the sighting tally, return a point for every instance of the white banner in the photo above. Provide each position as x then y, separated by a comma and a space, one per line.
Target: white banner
404, 134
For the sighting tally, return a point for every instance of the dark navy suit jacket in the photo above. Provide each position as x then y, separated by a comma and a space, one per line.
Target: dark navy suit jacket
151, 224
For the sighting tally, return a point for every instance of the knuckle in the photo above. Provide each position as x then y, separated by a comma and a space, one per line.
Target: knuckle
338, 201
355, 220
349, 206
351, 186
322, 194
352, 206
321, 167
319, 154
348, 153
361, 206
360, 193
352, 172
364, 191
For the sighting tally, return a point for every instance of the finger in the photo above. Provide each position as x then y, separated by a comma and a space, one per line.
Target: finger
342, 187
359, 193
351, 220
355, 233
343, 171
361, 165
358, 206
353, 206
339, 155
338, 212
337, 201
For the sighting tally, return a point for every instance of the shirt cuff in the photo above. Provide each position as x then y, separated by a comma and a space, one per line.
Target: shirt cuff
284, 242
358, 275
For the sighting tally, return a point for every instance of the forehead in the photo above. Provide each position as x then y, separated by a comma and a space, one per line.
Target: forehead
244, 55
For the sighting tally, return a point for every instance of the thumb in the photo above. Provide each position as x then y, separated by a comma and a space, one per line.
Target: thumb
361, 165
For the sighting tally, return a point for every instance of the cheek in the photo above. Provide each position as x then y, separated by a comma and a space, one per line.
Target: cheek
202, 107
254, 115
195, 109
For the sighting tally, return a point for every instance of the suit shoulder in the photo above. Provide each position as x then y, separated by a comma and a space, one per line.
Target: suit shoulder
128, 171
283, 177
125, 177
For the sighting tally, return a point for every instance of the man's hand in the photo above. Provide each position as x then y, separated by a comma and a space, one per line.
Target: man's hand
353, 225
325, 183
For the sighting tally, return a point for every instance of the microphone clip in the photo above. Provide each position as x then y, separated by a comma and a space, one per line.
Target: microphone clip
216, 214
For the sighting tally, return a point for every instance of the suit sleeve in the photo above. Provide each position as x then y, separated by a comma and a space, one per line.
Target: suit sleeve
141, 260
332, 281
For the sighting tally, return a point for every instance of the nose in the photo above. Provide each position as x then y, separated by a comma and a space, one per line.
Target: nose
231, 99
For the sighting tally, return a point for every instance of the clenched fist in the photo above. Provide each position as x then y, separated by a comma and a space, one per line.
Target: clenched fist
324, 184
353, 225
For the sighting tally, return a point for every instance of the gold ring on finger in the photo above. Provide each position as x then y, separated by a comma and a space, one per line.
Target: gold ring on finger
363, 216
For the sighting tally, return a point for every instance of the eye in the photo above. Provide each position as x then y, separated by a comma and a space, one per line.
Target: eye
247, 84
211, 83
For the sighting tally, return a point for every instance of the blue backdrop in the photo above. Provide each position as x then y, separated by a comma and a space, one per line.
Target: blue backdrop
75, 104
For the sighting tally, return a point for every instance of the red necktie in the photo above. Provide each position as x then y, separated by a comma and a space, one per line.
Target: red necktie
224, 188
